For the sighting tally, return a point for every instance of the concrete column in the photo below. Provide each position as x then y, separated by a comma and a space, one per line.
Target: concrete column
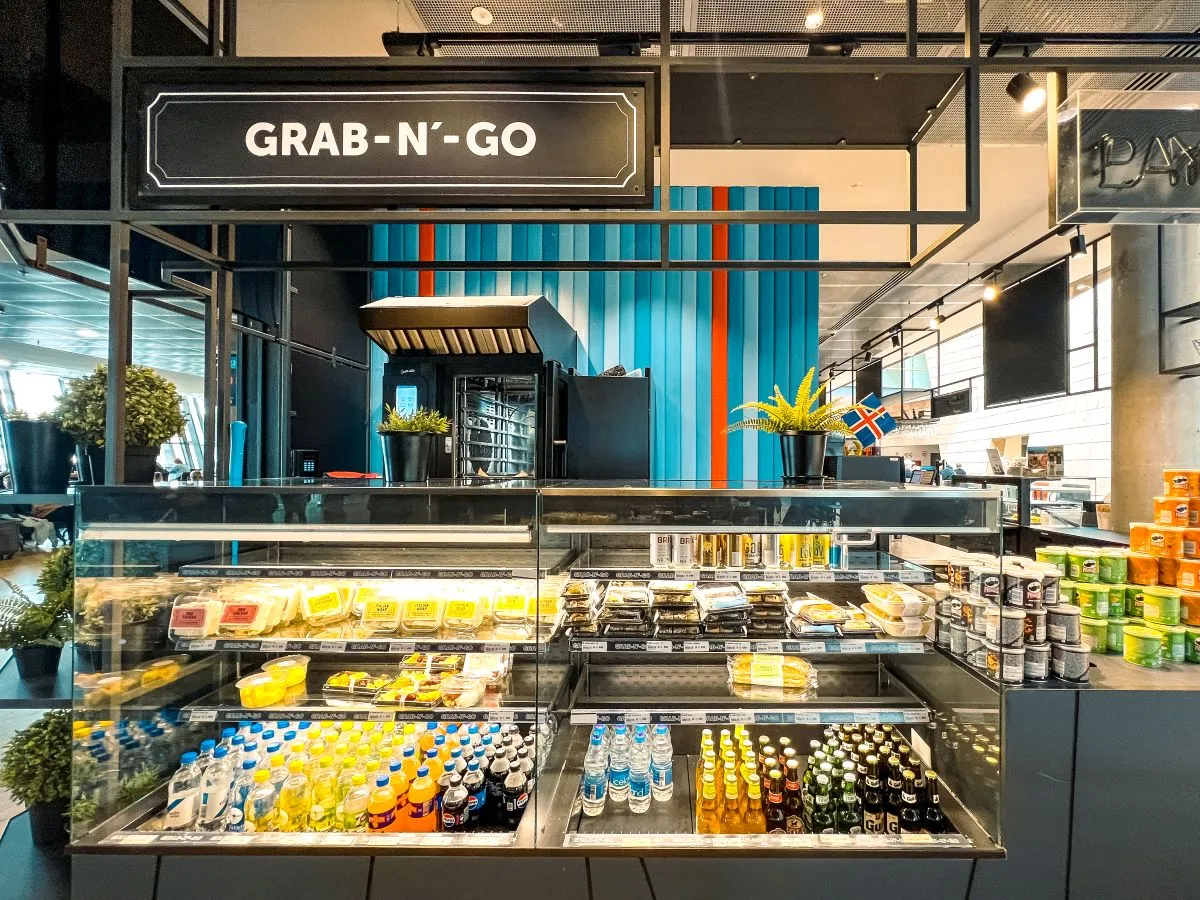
1155, 418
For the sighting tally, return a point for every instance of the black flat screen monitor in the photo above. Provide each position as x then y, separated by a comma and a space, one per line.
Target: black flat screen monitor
1025, 339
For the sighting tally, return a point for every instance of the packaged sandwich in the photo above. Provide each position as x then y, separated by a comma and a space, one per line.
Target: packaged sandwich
770, 670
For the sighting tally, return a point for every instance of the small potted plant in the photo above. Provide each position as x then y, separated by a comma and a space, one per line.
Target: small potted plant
408, 442
39, 453
34, 632
152, 416
803, 426
36, 770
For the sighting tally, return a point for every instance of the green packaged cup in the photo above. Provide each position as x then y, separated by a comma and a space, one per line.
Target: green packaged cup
1066, 591
1173, 639
1142, 646
1092, 599
1191, 646
1116, 634
1116, 600
1094, 634
1055, 556
1160, 605
1083, 564
1114, 563
1134, 601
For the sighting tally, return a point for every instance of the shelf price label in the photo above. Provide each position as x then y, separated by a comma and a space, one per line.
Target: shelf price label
503, 716
381, 715
692, 718
202, 715
593, 646
658, 646
912, 577
332, 647
207, 644
768, 646
696, 646
806, 646
741, 717
273, 645
853, 646
401, 646
822, 575
869, 577
737, 646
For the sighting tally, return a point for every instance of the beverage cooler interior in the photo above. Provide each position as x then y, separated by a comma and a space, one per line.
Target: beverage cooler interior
521, 667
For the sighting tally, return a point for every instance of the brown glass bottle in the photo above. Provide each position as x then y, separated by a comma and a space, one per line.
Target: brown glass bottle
874, 816
892, 799
793, 801
774, 810
912, 821
935, 819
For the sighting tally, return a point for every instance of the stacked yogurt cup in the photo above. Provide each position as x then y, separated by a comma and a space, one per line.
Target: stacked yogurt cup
1005, 618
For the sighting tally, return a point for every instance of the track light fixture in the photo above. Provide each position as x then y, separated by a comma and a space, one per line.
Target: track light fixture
991, 291
1078, 244
895, 339
815, 19
867, 356
936, 322
1028, 94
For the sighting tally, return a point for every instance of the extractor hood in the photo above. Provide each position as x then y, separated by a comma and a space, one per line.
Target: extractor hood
470, 326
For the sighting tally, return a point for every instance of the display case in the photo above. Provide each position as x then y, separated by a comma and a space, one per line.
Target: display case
510, 634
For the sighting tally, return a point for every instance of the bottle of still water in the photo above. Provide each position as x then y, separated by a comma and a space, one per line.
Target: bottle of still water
639, 775
661, 760
595, 777
618, 765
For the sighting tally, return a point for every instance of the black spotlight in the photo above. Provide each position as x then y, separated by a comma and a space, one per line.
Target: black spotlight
895, 339
1078, 244
1028, 94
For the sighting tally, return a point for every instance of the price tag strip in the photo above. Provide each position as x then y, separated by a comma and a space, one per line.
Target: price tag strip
356, 572
719, 645
802, 576
715, 842
368, 645
790, 716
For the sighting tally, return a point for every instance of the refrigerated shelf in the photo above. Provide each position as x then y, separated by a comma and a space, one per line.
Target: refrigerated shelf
859, 567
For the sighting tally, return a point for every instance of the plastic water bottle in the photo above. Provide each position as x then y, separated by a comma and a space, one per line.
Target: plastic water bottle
214, 798
235, 819
639, 775
183, 795
661, 760
618, 766
227, 738
595, 777
205, 756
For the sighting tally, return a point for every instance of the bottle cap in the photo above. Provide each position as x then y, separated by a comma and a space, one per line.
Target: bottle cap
220, 753
382, 781
289, 736
237, 738
243, 724
430, 753
473, 766
394, 767
261, 776
455, 780
296, 765
431, 726
358, 778
276, 760
326, 761
274, 748
227, 733
251, 747
439, 741
423, 772
410, 751
207, 745
256, 728
188, 758
249, 764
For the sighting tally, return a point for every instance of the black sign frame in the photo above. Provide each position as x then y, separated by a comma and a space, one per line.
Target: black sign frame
143, 191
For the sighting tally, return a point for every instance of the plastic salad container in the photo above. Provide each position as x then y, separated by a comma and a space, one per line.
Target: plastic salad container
289, 670
260, 689
898, 601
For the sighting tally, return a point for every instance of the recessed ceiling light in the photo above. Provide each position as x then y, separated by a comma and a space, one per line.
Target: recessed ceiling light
482, 15
815, 19
557, 22
88, 334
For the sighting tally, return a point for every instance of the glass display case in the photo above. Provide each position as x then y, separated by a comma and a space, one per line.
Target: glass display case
511, 666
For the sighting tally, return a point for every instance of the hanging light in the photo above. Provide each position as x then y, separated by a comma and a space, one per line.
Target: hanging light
895, 339
815, 19
936, 322
1078, 244
991, 291
867, 356
1028, 94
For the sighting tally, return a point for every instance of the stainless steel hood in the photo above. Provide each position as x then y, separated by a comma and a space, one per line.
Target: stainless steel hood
470, 326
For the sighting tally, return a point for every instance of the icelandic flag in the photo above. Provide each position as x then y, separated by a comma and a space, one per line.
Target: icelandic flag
869, 420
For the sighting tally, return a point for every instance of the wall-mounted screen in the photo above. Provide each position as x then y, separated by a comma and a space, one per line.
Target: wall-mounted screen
1025, 339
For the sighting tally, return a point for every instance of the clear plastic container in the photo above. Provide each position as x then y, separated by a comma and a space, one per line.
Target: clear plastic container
421, 615
378, 609
511, 604
245, 617
463, 691
259, 690
195, 616
898, 601
290, 670
905, 627
325, 604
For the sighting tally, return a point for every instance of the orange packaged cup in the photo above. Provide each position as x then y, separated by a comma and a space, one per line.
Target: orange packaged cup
1168, 571
1191, 543
1181, 482
1172, 511
1194, 512
1189, 608
1143, 569
1164, 541
1139, 536
1188, 577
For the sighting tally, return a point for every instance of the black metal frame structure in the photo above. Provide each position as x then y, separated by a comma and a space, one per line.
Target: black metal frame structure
219, 260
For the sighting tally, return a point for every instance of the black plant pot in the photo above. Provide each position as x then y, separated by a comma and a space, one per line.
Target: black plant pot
39, 456
803, 455
139, 464
48, 823
37, 662
406, 455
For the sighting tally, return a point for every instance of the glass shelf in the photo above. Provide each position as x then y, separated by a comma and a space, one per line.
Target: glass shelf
860, 567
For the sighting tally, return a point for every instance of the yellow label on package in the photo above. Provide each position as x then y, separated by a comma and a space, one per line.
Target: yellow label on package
420, 609
510, 603
323, 603
766, 669
461, 609
380, 610
547, 607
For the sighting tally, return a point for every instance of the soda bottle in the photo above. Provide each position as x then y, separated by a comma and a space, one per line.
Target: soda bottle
708, 819
595, 777
433, 763
381, 807
731, 809
260, 804
496, 773
849, 812
661, 763
235, 819
639, 775
422, 803
400, 784
823, 818
516, 796
456, 803
320, 818
618, 766
354, 807
214, 798
793, 801
183, 795
874, 813
295, 798
476, 786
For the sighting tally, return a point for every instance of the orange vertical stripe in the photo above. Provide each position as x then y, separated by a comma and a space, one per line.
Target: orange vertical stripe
720, 342
425, 239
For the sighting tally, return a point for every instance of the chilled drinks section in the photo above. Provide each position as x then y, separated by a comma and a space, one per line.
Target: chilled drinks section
557, 668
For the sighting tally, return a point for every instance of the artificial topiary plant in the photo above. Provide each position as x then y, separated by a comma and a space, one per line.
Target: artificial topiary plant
802, 414
36, 765
152, 408
422, 421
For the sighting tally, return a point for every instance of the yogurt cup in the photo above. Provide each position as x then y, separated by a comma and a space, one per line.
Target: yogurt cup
1069, 661
1037, 662
1062, 624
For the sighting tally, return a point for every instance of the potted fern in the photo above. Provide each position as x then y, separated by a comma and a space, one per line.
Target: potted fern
36, 770
39, 453
408, 442
34, 632
152, 416
803, 426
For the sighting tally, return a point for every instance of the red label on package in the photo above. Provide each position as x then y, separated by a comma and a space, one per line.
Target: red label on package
239, 614
188, 617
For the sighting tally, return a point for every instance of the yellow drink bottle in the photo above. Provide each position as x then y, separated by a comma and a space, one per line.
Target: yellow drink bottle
295, 799
354, 809
707, 813
754, 821
381, 808
731, 812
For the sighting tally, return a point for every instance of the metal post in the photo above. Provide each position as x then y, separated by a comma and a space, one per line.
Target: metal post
664, 127
218, 344
229, 26
214, 27
911, 29
913, 246
120, 332
1056, 93
122, 49
971, 115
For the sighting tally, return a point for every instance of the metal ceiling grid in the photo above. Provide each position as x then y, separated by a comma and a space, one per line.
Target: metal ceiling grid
841, 16
1089, 15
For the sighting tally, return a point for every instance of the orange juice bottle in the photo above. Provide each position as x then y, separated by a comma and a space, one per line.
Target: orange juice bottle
426, 741
409, 763
433, 762
381, 808
422, 803
400, 784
